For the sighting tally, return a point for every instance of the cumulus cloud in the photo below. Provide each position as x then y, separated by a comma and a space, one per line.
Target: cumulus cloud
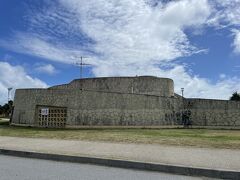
128, 37
112, 31
16, 77
46, 69
131, 31
236, 42
194, 86
226, 13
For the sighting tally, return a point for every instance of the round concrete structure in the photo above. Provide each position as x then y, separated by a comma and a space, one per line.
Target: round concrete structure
138, 85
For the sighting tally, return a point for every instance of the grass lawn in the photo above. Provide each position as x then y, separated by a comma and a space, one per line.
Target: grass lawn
4, 121
180, 137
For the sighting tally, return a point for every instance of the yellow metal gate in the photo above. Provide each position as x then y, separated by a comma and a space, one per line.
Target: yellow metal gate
53, 117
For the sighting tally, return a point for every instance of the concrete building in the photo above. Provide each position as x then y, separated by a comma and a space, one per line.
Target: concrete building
118, 101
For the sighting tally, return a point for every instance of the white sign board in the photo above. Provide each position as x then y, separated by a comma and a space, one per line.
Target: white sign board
44, 111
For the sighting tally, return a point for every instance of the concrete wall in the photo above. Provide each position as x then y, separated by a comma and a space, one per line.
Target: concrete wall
98, 108
109, 101
208, 112
140, 85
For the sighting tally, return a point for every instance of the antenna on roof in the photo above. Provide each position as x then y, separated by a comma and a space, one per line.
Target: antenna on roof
81, 64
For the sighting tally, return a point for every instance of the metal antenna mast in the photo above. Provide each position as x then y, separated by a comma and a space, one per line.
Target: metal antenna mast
81, 64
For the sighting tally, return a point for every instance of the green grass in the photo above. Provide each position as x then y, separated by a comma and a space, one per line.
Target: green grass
4, 121
180, 137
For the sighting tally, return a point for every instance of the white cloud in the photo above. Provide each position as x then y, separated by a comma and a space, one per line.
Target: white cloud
128, 37
36, 45
16, 77
236, 42
46, 68
130, 31
227, 15
194, 86
226, 12
127, 30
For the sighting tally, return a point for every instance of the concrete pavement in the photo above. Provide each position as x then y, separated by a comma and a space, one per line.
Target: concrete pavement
217, 159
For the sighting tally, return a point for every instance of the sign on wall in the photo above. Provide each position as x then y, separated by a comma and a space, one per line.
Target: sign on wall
44, 111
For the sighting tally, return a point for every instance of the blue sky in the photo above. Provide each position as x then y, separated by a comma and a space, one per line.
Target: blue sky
196, 43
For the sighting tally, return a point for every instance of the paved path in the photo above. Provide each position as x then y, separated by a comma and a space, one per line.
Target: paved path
16, 168
222, 159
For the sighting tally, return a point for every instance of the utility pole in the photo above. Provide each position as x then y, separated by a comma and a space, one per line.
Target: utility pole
81, 64
9, 91
183, 113
9, 104
182, 89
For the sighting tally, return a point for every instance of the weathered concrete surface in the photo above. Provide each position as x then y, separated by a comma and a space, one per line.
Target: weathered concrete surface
208, 112
97, 108
220, 159
122, 101
139, 85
